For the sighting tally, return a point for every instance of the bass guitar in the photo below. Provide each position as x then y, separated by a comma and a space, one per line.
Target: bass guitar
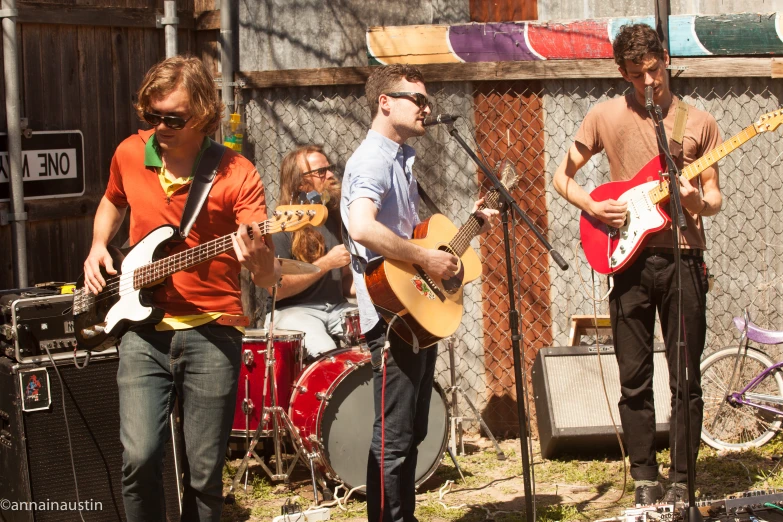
126, 300
431, 307
611, 250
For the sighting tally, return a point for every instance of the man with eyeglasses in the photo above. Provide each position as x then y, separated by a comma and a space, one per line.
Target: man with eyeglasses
313, 303
379, 206
194, 353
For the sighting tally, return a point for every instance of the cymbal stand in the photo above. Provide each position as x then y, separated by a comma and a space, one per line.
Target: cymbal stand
281, 423
456, 445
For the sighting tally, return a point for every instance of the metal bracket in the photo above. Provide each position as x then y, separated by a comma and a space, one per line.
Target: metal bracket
161, 20
9, 13
6, 217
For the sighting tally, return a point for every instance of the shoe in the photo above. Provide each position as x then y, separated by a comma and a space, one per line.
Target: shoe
646, 495
676, 493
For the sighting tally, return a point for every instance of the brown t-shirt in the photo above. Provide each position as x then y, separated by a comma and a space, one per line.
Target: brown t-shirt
622, 128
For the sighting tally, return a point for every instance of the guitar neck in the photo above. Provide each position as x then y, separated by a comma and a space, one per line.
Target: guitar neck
461, 241
661, 192
156, 271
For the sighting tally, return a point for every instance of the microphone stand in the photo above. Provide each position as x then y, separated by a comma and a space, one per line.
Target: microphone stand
514, 322
678, 217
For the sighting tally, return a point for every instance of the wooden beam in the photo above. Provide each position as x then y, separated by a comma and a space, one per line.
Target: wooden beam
487, 71
208, 20
68, 14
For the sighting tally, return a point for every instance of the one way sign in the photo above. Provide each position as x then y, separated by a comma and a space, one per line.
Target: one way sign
52, 165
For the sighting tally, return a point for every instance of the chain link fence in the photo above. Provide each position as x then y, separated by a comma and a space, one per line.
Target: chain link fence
532, 124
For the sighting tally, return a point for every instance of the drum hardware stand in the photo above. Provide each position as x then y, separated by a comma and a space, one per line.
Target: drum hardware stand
278, 416
456, 445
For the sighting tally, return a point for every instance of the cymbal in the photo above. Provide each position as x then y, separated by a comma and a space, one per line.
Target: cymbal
296, 267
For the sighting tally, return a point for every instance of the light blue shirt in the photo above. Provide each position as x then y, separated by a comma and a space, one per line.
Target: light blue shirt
382, 171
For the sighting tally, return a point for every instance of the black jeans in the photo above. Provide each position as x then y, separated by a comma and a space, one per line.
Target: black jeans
647, 286
409, 381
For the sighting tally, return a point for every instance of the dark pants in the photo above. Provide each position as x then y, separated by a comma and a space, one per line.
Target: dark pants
646, 286
409, 381
200, 366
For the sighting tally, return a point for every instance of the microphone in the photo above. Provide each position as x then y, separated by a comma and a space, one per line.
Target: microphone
648, 97
434, 119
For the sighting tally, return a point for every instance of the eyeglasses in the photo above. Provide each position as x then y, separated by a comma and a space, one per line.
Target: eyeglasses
320, 173
172, 122
416, 97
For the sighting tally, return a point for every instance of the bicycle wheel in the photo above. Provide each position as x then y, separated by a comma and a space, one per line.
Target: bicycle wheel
732, 427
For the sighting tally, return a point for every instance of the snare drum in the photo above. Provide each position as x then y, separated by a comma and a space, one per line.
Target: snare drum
333, 410
352, 328
252, 389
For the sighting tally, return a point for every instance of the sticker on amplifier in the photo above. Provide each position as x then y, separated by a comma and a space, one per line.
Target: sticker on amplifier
34, 388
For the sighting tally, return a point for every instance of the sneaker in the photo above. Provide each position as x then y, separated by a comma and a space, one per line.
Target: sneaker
646, 495
676, 493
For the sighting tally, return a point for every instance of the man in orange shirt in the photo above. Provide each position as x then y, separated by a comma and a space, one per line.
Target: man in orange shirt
194, 353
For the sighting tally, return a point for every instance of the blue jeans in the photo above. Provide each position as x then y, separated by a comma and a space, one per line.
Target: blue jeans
200, 366
319, 322
409, 381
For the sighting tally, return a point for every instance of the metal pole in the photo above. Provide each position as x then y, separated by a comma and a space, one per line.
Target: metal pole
227, 57
170, 21
17, 216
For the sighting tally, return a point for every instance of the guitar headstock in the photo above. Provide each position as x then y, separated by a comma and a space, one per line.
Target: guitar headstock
293, 217
769, 121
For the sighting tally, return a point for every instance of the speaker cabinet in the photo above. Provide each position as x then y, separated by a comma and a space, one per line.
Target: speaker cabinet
35, 465
570, 404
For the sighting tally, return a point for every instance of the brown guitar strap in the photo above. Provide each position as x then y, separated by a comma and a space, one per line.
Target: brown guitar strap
678, 133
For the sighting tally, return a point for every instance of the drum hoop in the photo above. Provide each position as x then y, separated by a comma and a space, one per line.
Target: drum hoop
277, 337
321, 451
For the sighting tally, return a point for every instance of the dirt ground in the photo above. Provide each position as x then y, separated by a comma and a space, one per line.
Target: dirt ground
565, 489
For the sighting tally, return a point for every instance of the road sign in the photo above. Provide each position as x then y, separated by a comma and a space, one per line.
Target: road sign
52, 165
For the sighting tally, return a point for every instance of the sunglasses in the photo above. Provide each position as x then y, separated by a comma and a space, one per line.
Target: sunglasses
172, 122
319, 173
418, 98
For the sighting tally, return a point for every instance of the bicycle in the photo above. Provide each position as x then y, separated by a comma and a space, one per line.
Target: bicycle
743, 391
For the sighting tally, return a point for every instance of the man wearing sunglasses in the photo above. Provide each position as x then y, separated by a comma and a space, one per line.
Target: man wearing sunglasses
313, 303
379, 207
194, 353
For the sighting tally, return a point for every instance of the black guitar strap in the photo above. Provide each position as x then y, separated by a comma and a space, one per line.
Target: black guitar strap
201, 185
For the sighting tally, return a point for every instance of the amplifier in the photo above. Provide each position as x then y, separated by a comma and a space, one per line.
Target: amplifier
33, 324
570, 405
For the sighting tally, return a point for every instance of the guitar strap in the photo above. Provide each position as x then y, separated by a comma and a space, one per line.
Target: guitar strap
201, 185
678, 133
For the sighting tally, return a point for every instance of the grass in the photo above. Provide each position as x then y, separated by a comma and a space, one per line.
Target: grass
566, 489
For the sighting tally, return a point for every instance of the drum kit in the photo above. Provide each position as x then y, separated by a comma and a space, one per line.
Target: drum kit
325, 410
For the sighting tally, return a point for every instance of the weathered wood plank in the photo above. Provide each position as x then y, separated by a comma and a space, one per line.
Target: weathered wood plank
122, 90
485, 71
70, 14
104, 101
207, 20
737, 34
32, 77
70, 89
498, 11
52, 85
88, 73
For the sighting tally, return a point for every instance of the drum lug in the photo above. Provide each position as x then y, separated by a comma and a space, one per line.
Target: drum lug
247, 406
321, 396
248, 357
302, 389
349, 364
332, 359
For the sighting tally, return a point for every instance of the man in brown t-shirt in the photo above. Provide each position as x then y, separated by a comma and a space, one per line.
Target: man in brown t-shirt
623, 129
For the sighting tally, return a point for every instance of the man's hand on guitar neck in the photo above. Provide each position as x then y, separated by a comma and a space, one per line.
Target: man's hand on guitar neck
257, 254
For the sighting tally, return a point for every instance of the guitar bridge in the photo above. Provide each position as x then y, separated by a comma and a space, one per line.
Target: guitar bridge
425, 285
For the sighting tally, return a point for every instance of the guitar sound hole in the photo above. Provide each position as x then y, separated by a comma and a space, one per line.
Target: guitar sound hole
452, 284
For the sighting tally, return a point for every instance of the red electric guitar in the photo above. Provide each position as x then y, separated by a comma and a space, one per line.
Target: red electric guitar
610, 250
